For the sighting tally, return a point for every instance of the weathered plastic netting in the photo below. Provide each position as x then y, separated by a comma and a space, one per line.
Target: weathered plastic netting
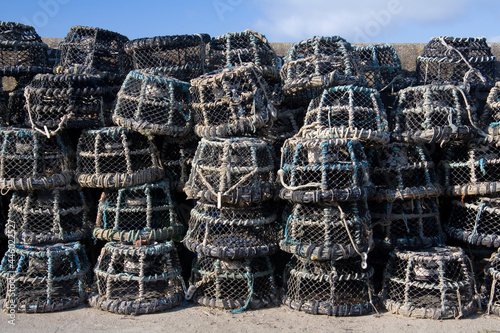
347, 112
137, 279
407, 224
232, 170
491, 285
335, 288
333, 231
179, 56
286, 125
48, 278
177, 158
323, 170
233, 101
435, 283
151, 102
116, 157
490, 118
235, 285
48, 216
381, 66
31, 161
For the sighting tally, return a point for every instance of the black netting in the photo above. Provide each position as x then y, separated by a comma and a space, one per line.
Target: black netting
177, 157
12, 110
382, 67
491, 285
490, 119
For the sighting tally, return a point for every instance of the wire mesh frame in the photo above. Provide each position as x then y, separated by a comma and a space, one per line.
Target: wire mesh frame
30, 161
137, 279
177, 158
47, 278
490, 118
153, 103
381, 65
436, 283
491, 286
142, 213
116, 157
233, 170
323, 170
334, 288
232, 232
349, 112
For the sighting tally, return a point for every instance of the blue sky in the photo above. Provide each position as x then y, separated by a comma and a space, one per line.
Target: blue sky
371, 21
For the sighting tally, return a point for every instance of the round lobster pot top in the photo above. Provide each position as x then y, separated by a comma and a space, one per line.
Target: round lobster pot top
450, 60
235, 285
232, 170
406, 224
471, 169
403, 171
151, 102
335, 288
347, 112
45, 278
116, 157
381, 65
92, 51
490, 119
328, 231
230, 102
138, 213
491, 286
60, 101
48, 216
435, 283
179, 56
31, 161
233, 232
317, 63
475, 221
323, 170
434, 113
137, 279
177, 157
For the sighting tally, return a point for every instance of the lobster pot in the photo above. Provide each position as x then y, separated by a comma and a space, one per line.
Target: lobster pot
137, 279
153, 103
48, 216
323, 170
330, 231
381, 65
491, 286
475, 221
235, 285
232, 170
347, 112
47, 278
436, 283
456, 61
434, 114
233, 232
233, 101
58, 101
177, 158
93, 51
114, 157
180, 56
317, 63
472, 169
490, 119
31, 161
138, 213
334, 288
406, 224
403, 171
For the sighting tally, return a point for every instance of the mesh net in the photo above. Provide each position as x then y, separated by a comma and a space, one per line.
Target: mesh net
12, 111
436, 283
491, 286
233, 232
236, 285
231, 101
347, 112
490, 119
407, 224
232, 170
334, 288
29, 160
150, 102
449, 60
314, 170
180, 56
44, 278
434, 113
177, 157
116, 157
137, 279
329, 231
286, 125
381, 66
403, 171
